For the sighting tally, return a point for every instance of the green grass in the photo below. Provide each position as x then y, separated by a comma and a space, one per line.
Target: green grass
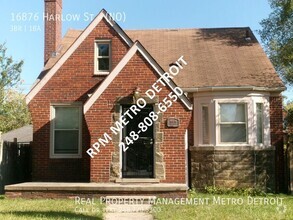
210, 209
24, 209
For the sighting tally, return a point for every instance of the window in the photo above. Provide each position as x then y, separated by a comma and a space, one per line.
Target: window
233, 123
259, 123
66, 131
103, 57
231, 120
205, 125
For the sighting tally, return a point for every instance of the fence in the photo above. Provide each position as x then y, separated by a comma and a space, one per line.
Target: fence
289, 157
15, 163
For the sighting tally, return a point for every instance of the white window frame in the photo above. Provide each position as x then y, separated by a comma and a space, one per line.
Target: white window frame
212, 100
197, 113
201, 125
52, 129
263, 116
97, 71
266, 122
231, 101
248, 111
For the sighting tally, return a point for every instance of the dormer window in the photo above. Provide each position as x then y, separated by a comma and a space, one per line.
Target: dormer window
102, 57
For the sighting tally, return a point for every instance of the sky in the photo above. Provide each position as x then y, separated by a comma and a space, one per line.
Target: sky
22, 22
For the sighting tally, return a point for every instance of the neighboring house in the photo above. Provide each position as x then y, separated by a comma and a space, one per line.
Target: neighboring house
225, 130
21, 135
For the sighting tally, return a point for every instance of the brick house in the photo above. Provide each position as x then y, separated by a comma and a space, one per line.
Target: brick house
90, 104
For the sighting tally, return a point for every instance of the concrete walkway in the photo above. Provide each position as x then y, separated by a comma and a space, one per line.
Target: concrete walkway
128, 207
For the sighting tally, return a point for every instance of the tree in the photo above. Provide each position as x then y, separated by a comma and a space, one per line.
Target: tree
288, 120
13, 110
277, 36
9, 70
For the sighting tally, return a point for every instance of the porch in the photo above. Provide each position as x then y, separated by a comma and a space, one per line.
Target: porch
70, 190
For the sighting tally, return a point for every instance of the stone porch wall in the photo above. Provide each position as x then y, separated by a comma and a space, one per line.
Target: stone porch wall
232, 168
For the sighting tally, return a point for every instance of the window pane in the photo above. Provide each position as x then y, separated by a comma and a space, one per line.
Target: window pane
232, 112
233, 133
103, 49
103, 63
259, 122
66, 142
205, 125
66, 118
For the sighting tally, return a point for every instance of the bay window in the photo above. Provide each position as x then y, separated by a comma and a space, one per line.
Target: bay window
232, 120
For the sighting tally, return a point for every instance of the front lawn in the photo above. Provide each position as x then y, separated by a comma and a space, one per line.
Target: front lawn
25, 209
207, 206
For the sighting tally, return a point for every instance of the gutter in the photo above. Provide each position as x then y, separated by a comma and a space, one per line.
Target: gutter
233, 88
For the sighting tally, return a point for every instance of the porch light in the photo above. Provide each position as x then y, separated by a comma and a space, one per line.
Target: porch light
136, 94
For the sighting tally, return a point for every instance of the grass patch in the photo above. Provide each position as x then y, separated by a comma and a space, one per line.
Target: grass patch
24, 209
221, 207
205, 206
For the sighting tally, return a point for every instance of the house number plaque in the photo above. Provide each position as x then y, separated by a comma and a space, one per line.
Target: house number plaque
172, 122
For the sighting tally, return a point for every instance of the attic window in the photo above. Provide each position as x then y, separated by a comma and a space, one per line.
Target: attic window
102, 57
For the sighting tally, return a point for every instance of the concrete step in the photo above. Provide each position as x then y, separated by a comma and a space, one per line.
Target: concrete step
64, 190
137, 180
129, 200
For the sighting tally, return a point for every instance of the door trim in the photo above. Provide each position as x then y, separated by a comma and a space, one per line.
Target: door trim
116, 157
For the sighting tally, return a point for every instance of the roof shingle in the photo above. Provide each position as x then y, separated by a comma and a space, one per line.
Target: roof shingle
217, 57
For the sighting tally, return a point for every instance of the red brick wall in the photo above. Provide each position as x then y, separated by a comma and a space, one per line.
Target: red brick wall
137, 73
72, 82
276, 120
53, 27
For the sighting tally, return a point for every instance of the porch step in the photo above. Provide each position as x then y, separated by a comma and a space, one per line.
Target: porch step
69, 190
137, 180
129, 200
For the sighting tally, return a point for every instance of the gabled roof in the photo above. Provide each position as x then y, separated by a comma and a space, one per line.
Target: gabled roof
218, 58
137, 47
54, 64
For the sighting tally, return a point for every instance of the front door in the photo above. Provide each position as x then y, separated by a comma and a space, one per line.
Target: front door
138, 159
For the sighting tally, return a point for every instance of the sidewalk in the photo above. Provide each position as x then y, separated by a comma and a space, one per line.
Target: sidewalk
128, 208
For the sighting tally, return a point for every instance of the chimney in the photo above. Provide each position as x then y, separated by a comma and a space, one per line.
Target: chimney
53, 27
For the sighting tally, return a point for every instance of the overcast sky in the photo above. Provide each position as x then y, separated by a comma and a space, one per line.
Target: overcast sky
22, 26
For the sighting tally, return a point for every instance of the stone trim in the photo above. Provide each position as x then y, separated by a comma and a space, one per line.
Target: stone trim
159, 164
